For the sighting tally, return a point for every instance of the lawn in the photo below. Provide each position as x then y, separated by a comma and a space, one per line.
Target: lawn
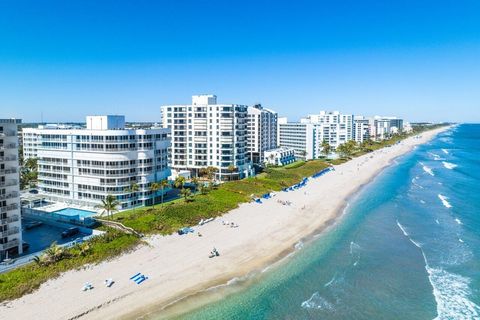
169, 217
23, 280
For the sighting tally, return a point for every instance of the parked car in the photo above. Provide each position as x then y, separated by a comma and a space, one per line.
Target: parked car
70, 232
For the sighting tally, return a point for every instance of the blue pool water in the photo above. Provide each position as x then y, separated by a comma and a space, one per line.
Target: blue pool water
75, 212
408, 247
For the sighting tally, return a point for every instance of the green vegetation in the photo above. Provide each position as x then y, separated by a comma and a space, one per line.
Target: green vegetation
56, 260
28, 173
212, 202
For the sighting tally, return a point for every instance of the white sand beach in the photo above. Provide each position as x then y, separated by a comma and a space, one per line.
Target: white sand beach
177, 266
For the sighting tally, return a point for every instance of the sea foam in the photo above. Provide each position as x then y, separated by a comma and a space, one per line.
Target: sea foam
445, 151
427, 169
444, 201
449, 165
451, 291
316, 301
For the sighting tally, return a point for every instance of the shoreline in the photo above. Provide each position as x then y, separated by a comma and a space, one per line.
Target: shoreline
178, 266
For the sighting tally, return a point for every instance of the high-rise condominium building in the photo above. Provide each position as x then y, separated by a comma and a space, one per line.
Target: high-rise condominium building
83, 166
301, 137
383, 127
332, 127
205, 134
361, 129
10, 222
261, 132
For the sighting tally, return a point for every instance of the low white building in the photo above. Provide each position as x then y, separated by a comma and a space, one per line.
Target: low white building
279, 156
82, 166
10, 222
301, 137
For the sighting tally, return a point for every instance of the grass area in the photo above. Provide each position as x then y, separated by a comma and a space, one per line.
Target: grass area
169, 217
26, 279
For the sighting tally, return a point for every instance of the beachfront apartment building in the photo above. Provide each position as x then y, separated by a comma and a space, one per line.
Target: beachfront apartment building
361, 129
81, 166
262, 130
208, 134
279, 156
333, 127
383, 127
10, 222
301, 137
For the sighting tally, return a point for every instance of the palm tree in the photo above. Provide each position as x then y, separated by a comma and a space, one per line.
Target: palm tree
109, 205
231, 168
195, 183
163, 184
186, 193
179, 182
211, 174
133, 190
303, 154
154, 187
326, 148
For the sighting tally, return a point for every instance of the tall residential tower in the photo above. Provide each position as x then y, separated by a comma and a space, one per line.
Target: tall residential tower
206, 134
10, 222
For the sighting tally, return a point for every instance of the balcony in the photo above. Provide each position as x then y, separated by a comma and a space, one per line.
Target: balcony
9, 245
10, 158
9, 232
9, 195
8, 171
11, 219
8, 134
8, 183
8, 146
10, 207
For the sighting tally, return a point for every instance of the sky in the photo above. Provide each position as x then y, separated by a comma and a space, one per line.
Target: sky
63, 60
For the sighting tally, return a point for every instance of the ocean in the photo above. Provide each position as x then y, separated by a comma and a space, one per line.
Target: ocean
407, 247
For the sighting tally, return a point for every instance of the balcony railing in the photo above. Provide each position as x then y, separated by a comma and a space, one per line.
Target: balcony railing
9, 232
9, 195
8, 146
8, 183
8, 134
8, 171
11, 158
9, 207
11, 219
10, 244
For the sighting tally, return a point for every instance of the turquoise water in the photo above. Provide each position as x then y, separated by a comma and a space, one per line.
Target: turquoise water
408, 247
75, 212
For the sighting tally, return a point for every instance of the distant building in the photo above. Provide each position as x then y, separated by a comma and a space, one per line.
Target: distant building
383, 127
332, 127
261, 132
83, 166
301, 137
279, 156
361, 129
10, 222
205, 134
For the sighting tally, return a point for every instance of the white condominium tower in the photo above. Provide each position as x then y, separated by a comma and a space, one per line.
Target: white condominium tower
301, 137
332, 127
261, 132
383, 127
361, 129
10, 222
83, 166
205, 134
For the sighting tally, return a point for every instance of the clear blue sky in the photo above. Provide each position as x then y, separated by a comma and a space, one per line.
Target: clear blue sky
67, 59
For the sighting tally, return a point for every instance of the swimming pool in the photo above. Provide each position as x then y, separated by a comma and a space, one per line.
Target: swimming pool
75, 212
